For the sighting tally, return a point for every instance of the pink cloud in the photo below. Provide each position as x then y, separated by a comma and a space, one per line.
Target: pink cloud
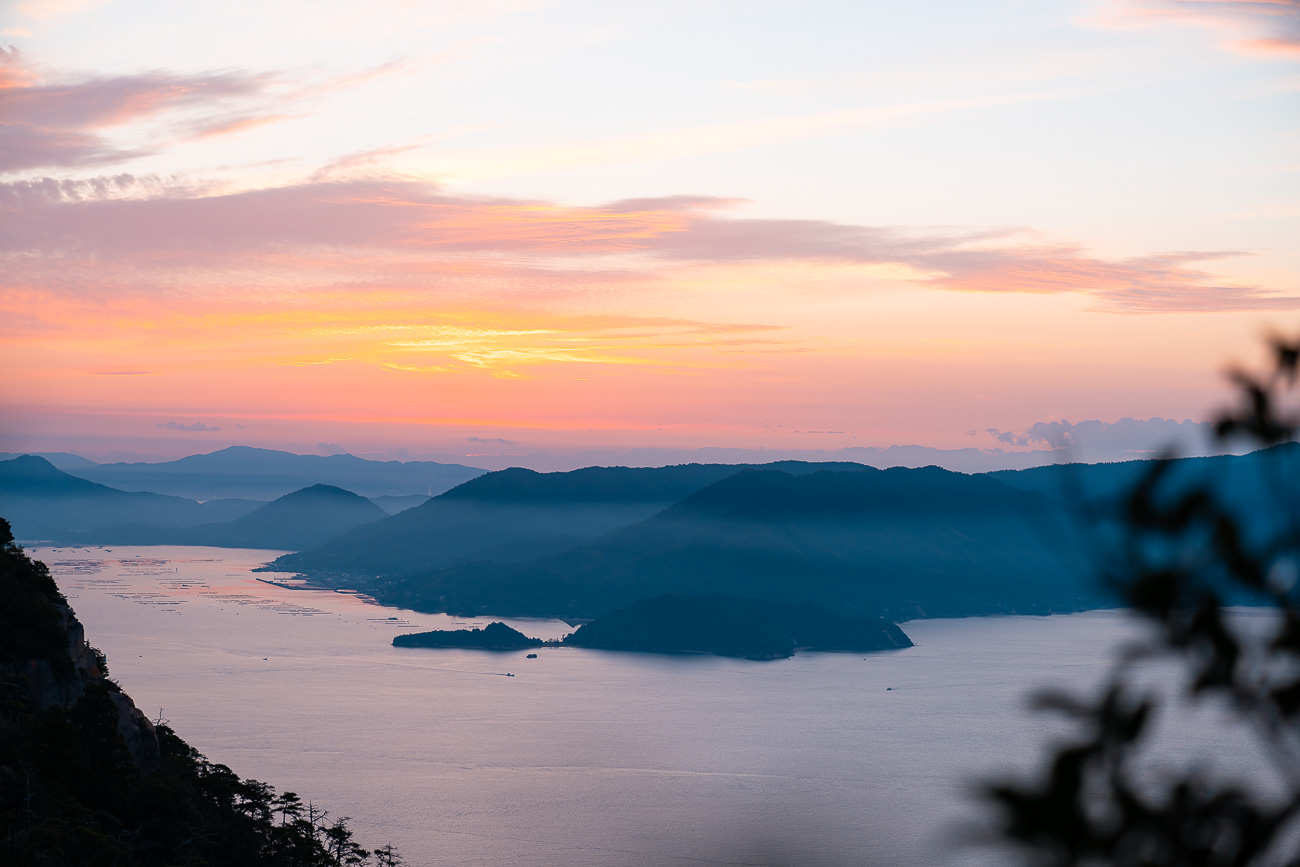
377, 233
59, 123
1266, 28
1147, 284
62, 123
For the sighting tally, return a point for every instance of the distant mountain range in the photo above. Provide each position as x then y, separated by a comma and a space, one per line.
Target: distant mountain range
302, 519
858, 541
47, 504
43, 502
264, 474
512, 515
896, 543
61, 460
899, 542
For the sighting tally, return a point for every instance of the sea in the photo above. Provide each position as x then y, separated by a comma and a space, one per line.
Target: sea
582, 757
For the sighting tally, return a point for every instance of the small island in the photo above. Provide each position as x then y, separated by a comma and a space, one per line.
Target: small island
732, 626
494, 636
679, 623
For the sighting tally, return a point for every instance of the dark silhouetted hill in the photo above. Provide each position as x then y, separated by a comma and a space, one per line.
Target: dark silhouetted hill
730, 626
506, 516
48, 504
494, 636
298, 520
892, 543
62, 460
264, 474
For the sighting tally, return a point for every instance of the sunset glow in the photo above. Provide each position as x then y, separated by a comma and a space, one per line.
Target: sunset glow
421, 230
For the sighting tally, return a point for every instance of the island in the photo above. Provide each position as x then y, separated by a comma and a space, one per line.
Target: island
494, 636
733, 626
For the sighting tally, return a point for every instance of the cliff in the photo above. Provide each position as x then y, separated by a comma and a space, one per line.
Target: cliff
45, 653
85, 778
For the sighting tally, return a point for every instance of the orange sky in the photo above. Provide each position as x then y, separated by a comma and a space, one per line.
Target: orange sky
193, 258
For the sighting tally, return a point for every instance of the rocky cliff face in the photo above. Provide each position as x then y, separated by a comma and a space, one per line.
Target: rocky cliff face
55, 684
85, 778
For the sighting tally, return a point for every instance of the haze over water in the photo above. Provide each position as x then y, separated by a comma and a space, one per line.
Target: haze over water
582, 757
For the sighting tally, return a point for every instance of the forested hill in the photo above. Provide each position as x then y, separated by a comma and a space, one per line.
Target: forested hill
512, 515
896, 543
85, 778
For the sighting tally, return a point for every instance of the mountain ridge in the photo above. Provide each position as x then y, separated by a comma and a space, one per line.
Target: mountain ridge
299, 519
507, 515
896, 543
264, 474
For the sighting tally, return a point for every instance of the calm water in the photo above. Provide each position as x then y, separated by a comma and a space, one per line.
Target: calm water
582, 757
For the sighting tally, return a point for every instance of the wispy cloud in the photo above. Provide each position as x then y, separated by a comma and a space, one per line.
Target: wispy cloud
62, 124
194, 427
394, 235
1135, 436
74, 122
1263, 28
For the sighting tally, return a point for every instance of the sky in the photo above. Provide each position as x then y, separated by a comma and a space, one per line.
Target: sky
511, 226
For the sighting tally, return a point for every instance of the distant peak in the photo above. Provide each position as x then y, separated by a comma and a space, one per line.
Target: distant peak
245, 450
33, 465
323, 491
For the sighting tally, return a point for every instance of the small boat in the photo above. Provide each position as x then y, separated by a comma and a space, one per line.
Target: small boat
508, 674
531, 656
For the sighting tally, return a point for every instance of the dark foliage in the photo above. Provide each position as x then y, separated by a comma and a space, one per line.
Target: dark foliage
1183, 553
73, 793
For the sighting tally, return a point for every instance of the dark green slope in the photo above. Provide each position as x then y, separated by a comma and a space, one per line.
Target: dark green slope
47, 503
264, 474
298, 520
509, 515
895, 543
